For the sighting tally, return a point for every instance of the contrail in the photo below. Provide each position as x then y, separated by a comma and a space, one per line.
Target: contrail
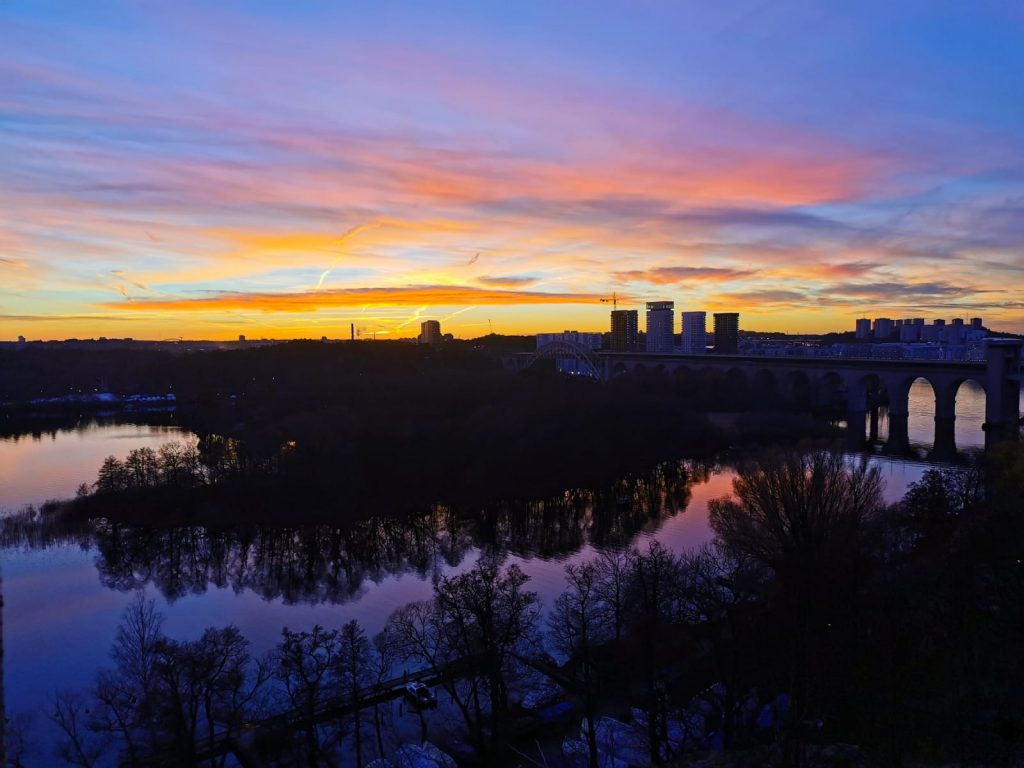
472, 261
415, 316
456, 312
354, 231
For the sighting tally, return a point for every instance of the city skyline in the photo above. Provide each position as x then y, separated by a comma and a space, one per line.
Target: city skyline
213, 172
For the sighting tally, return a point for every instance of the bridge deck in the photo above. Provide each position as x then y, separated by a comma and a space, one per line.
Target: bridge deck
798, 360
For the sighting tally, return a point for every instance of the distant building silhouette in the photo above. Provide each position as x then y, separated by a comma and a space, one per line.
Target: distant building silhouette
727, 333
910, 332
693, 334
864, 328
884, 327
661, 326
955, 332
430, 332
241, 337
625, 332
976, 323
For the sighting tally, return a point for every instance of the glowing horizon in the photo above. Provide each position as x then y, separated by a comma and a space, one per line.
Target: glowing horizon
180, 170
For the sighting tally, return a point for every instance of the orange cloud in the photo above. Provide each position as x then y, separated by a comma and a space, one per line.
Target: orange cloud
407, 296
675, 275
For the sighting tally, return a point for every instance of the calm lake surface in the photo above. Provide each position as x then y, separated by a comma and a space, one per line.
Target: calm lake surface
64, 597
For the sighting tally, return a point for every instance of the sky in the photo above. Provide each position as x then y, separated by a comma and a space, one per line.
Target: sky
285, 170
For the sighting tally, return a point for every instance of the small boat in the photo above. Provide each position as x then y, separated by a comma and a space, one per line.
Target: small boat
417, 693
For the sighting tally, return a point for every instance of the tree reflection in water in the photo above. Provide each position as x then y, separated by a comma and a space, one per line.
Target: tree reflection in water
332, 564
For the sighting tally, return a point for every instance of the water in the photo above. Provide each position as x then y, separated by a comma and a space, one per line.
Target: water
63, 600
51, 464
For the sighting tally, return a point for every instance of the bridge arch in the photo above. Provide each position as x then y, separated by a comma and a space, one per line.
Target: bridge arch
797, 388
584, 361
765, 389
827, 390
734, 386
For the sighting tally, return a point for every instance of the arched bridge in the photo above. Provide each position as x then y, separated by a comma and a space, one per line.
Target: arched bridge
584, 361
858, 383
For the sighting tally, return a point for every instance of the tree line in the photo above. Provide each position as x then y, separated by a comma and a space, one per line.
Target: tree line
392, 425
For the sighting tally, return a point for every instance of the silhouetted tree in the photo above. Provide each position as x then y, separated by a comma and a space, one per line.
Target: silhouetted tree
306, 664
654, 604
72, 715
355, 667
578, 625
806, 516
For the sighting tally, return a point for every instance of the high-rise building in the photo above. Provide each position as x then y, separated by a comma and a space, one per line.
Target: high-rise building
625, 330
694, 335
864, 328
977, 324
955, 332
661, 326
727, 333
241, 337
883, 327
910, 332
430, 332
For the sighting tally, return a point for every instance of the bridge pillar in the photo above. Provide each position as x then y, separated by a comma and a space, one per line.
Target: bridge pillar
945, 422
1002, 390
856, 411
898, 389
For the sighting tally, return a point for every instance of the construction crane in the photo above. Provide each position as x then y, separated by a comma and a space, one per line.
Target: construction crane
614, 301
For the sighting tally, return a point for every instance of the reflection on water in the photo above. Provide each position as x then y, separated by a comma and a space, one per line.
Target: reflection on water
51, 463
66, 587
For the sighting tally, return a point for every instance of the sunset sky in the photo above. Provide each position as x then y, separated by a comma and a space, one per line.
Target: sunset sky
284, 169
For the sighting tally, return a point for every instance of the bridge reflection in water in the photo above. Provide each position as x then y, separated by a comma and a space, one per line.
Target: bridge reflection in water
863, 389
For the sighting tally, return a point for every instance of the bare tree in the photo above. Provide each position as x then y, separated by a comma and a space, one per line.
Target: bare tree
355, 669
306, 663
578, 624
614, 569
205, 688
382, 664
724, 594
653, 599
71, 714
488, 615
415, 635
804, 516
